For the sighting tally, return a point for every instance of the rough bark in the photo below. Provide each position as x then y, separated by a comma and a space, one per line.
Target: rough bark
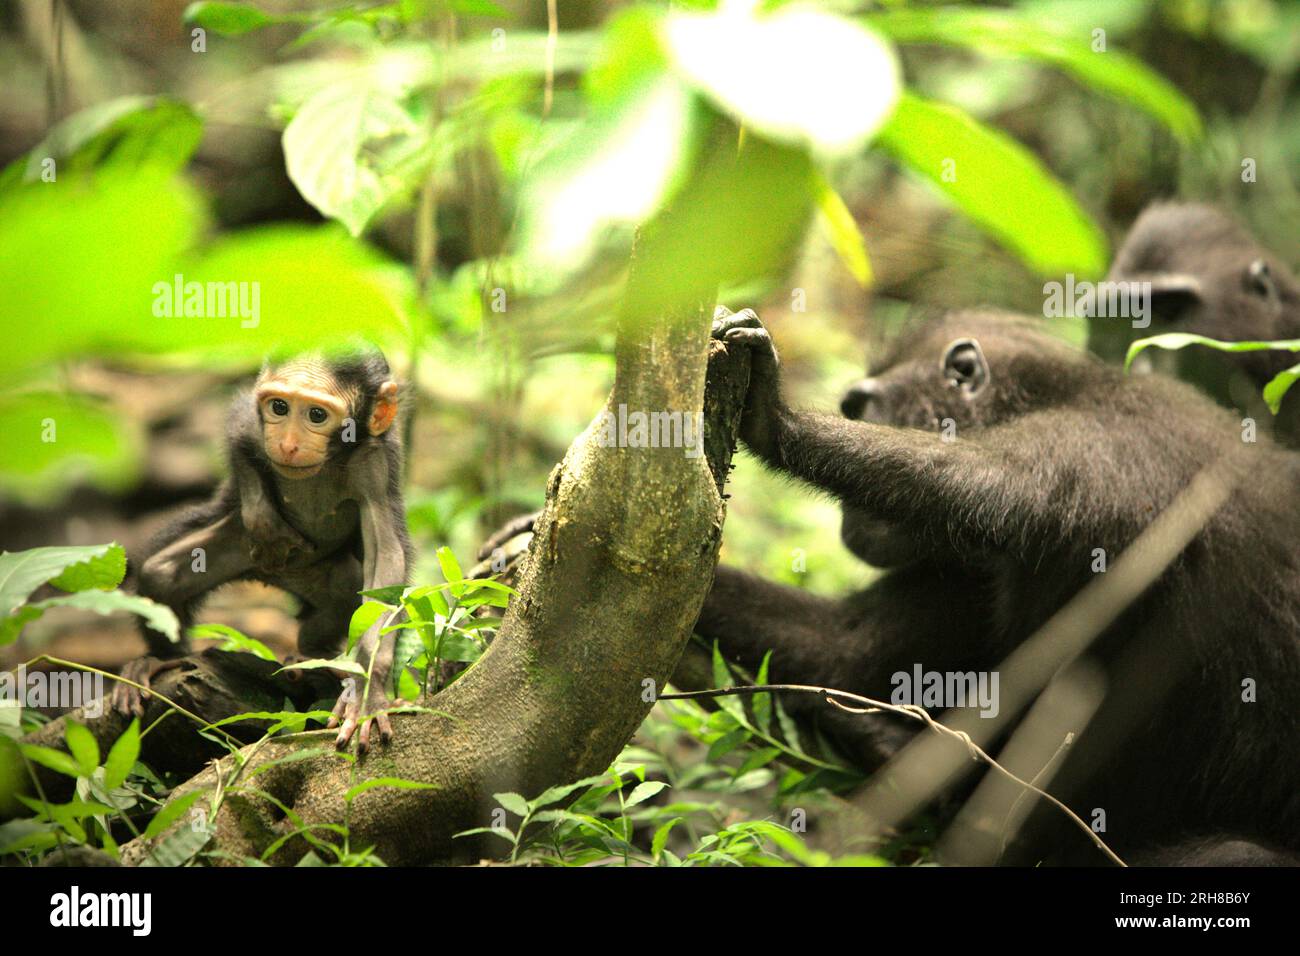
619, 567
213, 685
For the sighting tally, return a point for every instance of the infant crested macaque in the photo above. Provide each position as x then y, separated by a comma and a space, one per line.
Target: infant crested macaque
313, 505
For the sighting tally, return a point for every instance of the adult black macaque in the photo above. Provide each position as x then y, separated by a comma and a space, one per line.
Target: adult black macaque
1209, 277
313, 505
986, 535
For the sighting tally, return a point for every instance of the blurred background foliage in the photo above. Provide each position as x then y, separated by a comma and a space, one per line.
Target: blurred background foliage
459, 181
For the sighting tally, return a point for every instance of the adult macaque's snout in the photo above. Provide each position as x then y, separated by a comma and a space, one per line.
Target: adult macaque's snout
860, 398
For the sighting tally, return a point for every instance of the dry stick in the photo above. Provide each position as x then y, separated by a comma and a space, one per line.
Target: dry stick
207, 725
870, 706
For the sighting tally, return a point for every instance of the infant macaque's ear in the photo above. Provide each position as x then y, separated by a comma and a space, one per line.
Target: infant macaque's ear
385, 410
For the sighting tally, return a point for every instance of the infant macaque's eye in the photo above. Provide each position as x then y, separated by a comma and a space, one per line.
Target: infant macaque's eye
279, 406
318, 415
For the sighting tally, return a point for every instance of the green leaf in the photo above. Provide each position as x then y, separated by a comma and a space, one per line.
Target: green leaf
122, 756
390, 595
761, 704
55, 760
759, 758
12, 626
998, 184
451, 571
1180, 340
17, 835
177, 848
232, 640
837, 222
228, 19
172, 812
336, 146
478, 8
809, 59
613, 170
102, 571
512, 802
1277, 387
337, 663
643, 792
363, 618
661, 837
22, 572
83, 746
555, 794
727, 743
126, 132
397, 783
158, 616
57, 439
1274, 391
1111, 72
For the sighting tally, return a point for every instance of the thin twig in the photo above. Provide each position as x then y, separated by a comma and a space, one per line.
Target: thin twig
867, 705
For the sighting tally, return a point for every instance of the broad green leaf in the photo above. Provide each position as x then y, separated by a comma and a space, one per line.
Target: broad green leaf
396, 783
103, 571
614, 170
71, 568
997, 183
825, 81
555, 794
846, 239
451, 571
55, 760
54, 440
390, 595
478, 8
122, 756
172, 812
363, 618
339, 149
228, 19
661, 837
158, 616
727, 743
26, 834
759, 758
77, 275
232, 640
126, 132
337, 663
177, 848
643, 792
512, 802
1111, 72
82, 745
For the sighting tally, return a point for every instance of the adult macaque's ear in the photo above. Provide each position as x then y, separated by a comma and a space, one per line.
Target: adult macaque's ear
1172, 294
384, 413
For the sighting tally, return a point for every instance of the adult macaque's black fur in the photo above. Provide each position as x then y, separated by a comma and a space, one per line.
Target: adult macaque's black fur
322, 538
986, 536
1209, 277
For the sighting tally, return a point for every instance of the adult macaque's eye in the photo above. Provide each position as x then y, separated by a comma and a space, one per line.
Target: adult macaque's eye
317, 415
279, 406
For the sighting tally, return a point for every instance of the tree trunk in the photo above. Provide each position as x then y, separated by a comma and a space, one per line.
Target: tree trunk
619, 567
